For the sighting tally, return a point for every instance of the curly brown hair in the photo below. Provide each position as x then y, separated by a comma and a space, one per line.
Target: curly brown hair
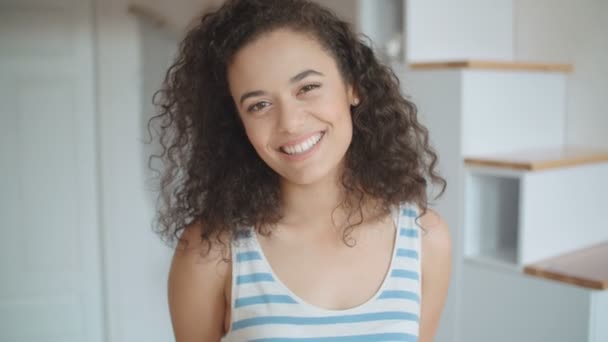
212, 174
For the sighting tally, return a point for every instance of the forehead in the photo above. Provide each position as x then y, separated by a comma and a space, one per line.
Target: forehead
277, 56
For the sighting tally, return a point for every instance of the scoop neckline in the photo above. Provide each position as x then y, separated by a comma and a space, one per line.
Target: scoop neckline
396, 218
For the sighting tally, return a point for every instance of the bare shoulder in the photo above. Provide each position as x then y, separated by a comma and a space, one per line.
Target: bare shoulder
436, 264
437, 237
196, 288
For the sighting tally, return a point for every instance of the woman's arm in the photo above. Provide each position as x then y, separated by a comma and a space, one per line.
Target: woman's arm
436, 256
197, 303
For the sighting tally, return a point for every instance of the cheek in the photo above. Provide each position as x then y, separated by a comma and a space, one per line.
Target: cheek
341, 115
344, 124
337, 107
258, 136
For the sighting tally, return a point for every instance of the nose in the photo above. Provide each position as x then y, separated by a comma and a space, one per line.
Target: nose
291, 117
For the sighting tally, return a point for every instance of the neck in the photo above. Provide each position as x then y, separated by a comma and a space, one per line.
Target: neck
312, 203
320, 205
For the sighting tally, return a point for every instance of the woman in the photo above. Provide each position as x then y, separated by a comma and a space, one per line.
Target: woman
295, 184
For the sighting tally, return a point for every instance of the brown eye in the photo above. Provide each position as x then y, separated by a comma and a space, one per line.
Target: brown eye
308, 88
258, 106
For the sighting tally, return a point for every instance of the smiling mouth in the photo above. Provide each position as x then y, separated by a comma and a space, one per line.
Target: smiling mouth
304, 146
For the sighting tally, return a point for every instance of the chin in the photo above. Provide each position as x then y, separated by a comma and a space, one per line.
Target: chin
308, 176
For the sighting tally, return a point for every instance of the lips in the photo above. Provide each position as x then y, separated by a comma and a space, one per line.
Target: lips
303, 144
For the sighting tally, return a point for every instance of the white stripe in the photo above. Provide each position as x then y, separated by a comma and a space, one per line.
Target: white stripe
377, 306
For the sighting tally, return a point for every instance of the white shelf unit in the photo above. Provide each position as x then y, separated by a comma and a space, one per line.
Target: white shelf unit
475, 111
504, 218
492, 218
523, 217
520, 217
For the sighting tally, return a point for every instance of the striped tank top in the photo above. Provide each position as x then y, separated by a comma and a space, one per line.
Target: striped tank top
264, 309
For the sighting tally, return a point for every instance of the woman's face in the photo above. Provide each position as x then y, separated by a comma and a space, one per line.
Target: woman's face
294, 105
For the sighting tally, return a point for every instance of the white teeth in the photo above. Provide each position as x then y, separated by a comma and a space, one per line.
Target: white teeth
303, 146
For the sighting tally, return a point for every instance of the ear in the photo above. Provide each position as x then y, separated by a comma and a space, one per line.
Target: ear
353, 97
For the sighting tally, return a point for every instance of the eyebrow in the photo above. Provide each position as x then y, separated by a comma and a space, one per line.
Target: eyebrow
303, 75
300, 76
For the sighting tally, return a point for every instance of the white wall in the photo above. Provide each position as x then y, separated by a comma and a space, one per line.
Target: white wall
132, 57
136, 263
572, 31
178, 14
50, 264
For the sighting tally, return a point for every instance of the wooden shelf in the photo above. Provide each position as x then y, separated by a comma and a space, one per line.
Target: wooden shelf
542, 159
494, 65
587, 267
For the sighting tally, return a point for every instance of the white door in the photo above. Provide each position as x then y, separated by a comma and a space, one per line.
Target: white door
50, 288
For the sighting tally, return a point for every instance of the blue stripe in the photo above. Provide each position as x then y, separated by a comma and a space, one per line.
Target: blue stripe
408, 253
397, 294
409, 212
356, 338
409, 232
265, 299
248, 256
254, 278
404, 274
291, 320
